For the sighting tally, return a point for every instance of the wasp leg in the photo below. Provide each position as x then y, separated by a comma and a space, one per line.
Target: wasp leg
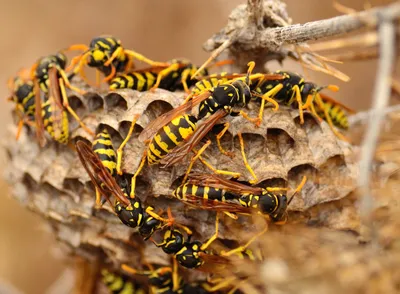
187, 99
112, 74
219, 171
275, 189
150, 211
20, 125
98, 78
184, 78
185, 228
266, 97
140, 57
133, 180
121, 147
193, 160
248, 167
70, 110
296, 90
81, 47
67, 83
219, 136
213, 237
220, 284
175, 276
164, 73
117, 52
98, 198
244, 247
328, 119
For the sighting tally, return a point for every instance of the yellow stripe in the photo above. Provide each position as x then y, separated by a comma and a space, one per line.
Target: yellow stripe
106, 142
206, 190
194, 189
108, 152
140, 81
160, 143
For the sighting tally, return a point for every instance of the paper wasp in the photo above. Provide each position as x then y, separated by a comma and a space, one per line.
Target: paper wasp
120, 284
50, 78
166, 280
128, 208
23, 95
108, 56
306, 95
213, 192
213, 105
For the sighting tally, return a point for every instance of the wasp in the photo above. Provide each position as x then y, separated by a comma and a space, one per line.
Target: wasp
213, 105
296, 90
118, 284
50, 78
23, 95
161, 279
174, 77
213, 192
128, 208
108, 56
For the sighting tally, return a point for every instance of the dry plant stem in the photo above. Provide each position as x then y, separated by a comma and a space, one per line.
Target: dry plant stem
366, 115
386, 33
298, 33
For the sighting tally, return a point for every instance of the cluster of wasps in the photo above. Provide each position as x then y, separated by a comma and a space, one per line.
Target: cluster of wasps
40, 95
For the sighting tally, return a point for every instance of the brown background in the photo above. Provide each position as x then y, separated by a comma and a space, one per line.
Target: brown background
159, 29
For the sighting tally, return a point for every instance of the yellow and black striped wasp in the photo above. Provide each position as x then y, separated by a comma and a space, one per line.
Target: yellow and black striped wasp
49, 77
102, 163
161, 278
174, 77
120, 284
213, 192
23, 95
165, 279
168, 149
108, 56
306, 95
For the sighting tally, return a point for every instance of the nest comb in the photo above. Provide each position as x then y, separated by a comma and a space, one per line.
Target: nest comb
51, 181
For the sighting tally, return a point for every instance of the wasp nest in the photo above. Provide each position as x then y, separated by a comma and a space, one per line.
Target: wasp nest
52, 182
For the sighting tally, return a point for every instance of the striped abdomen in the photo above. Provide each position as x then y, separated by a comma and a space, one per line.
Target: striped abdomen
209, 83
48, 123
120, 285
134, 80
102, 146
170, 136
202, 192
336, 113
24, 96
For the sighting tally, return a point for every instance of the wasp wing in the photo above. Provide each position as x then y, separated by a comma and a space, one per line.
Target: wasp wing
38, 115
99, 175
219, 182
153, 127
178, 153
54, 98
214, 205
335, 102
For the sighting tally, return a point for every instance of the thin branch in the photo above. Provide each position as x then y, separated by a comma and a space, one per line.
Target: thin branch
366, 115
366, 40
275, 37
386, 33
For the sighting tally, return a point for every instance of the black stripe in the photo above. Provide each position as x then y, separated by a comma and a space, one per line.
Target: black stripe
104, 157
98, 146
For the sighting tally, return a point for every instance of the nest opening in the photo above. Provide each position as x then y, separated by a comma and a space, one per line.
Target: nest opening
115, 101
124, 127
279, 141
157, 108
94, 101
73, 185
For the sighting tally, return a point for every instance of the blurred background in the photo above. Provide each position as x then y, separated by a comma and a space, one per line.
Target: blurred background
160, 30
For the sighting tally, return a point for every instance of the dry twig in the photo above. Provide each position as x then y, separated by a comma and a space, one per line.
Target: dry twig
386, 33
